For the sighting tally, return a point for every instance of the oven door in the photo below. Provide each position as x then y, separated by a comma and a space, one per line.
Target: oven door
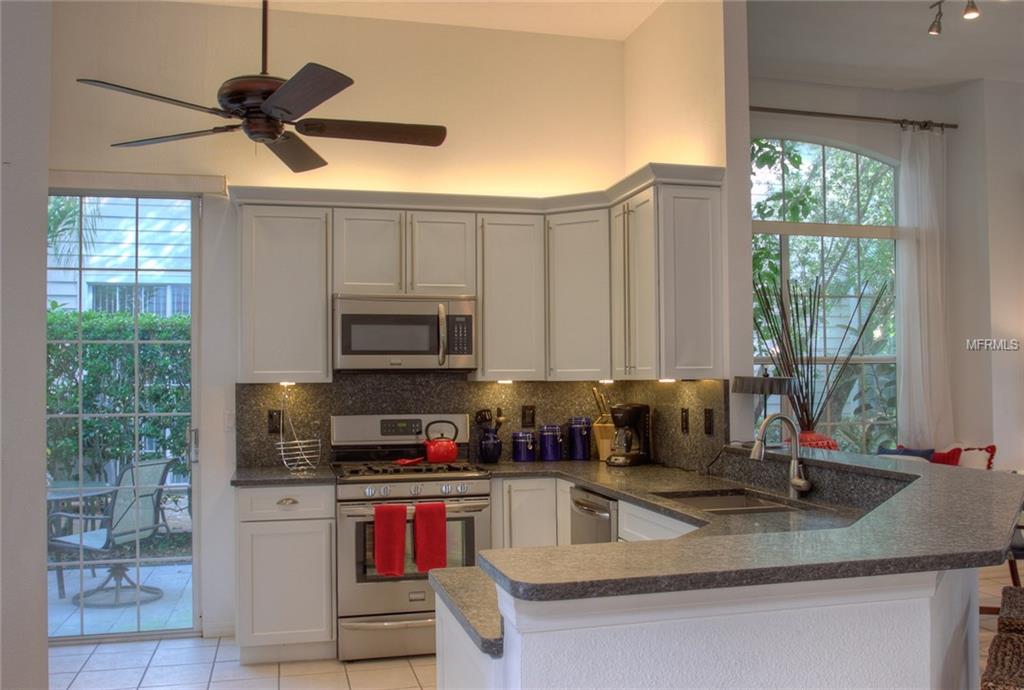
362, 592
389, 334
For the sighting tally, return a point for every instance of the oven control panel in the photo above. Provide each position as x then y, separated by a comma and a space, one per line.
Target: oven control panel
445, 489
401, 427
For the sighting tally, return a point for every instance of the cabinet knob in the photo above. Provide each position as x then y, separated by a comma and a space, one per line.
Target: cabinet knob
288, 501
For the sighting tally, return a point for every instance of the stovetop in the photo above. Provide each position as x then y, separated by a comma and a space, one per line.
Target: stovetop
354, 471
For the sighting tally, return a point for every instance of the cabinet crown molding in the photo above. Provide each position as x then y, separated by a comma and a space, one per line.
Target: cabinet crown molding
652, 173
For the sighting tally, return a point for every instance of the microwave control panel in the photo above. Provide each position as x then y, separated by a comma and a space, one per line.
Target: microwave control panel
460, 334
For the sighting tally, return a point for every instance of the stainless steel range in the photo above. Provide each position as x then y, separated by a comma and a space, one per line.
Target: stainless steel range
382, 616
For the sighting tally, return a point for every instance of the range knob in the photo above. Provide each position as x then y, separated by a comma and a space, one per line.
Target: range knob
416, 489
385, 490
369, 492
446, 489
462, 488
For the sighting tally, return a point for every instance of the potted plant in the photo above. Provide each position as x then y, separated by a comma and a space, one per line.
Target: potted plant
791, 330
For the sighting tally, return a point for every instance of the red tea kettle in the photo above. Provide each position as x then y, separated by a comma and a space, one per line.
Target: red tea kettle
441, 448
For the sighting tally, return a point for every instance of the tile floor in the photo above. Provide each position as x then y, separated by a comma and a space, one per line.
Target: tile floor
212, 664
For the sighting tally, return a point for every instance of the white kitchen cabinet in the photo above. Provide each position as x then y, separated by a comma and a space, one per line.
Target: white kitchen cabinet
285, 582
285, 306
579, 309
511, 300
369, 254
634, 288
441, 253
692, 306
529, 516
641, 524
387, 253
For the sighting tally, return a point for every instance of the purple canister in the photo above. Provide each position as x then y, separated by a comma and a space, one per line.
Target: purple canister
551, 442
579, 438
524, 446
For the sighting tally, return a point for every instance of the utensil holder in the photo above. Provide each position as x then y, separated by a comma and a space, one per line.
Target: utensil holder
604, 434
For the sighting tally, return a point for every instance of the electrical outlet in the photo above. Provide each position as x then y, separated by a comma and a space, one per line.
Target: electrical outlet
528, 416
709, 421
273, 421
684, 419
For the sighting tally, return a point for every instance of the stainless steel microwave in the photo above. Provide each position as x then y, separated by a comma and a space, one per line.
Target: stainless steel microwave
397, 333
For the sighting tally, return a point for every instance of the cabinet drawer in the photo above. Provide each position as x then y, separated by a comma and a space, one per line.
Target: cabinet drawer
285, 503
640, 524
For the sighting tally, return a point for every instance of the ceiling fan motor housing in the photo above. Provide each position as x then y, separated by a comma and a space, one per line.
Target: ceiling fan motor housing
245, 95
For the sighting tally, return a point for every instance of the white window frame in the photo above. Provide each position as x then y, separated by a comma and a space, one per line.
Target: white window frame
787, 229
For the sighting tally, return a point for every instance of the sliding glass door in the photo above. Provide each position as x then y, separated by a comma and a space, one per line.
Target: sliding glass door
118, 466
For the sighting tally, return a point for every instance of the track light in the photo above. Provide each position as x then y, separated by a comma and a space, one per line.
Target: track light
971, 11
936, 27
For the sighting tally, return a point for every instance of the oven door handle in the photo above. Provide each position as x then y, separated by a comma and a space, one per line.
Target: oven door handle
363, 511
391, 625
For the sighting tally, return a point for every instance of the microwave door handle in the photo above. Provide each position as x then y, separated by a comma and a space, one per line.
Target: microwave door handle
336, 322
442, 328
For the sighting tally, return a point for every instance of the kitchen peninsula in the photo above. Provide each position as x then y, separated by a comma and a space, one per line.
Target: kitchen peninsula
883, 595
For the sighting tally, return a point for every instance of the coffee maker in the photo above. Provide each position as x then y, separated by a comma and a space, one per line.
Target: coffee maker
632, 443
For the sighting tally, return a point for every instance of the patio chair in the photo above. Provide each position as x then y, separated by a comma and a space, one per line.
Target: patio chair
131, 514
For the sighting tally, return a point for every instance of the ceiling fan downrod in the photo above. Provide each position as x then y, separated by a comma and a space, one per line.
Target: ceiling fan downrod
263, 70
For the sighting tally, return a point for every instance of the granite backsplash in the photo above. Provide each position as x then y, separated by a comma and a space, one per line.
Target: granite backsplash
310, 406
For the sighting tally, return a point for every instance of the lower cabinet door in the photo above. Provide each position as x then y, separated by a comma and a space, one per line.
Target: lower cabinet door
285, 582
530, 514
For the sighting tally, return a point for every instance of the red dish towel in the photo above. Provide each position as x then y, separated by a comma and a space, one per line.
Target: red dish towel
431, 532
389, 539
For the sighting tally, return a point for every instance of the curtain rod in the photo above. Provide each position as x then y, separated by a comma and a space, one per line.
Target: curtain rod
923, 124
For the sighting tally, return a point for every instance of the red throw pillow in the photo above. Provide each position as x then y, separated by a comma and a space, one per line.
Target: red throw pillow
950, 457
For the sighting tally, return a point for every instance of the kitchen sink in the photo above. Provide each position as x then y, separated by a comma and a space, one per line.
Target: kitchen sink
727, 503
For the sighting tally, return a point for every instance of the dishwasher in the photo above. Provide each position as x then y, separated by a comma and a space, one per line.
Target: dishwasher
595, 519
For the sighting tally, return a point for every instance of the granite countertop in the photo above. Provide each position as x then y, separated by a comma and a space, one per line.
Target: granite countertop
943, 518
473, 600
279, 475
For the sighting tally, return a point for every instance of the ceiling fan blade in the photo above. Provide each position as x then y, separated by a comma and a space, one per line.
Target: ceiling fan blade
178, 137
295, 153
311, 86
391, 132
156, 97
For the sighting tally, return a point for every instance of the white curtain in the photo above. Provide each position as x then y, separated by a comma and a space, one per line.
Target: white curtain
925, 405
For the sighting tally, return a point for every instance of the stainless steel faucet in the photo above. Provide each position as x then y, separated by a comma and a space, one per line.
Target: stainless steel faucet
797, 483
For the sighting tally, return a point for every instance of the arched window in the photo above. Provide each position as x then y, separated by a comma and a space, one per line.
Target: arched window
823, 211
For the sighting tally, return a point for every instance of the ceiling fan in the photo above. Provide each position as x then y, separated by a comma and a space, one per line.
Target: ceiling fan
265, 104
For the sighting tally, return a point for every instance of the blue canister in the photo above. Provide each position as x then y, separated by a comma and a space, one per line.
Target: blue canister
579, 438
489, 445
551, 442
524, 446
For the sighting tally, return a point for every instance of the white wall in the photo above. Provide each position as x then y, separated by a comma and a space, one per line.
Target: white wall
218, 367
527, 114
740, 330
674, 87
25, 65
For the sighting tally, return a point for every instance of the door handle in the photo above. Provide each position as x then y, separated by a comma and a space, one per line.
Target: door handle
590, 509
442, 328
391, 625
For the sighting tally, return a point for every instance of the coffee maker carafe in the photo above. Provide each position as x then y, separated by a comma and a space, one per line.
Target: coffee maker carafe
632, 444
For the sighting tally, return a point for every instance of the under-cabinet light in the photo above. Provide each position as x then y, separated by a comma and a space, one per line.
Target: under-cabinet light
505, 382
606, 381
666, 380
287, 383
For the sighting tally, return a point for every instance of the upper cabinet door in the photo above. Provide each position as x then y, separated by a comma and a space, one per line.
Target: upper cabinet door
692, 336
285, 305
579, 323
512, 297
368, 252
634, 292
441, 253
642, 325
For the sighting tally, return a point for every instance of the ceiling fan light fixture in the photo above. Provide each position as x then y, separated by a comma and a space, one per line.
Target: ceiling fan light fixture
971, 11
